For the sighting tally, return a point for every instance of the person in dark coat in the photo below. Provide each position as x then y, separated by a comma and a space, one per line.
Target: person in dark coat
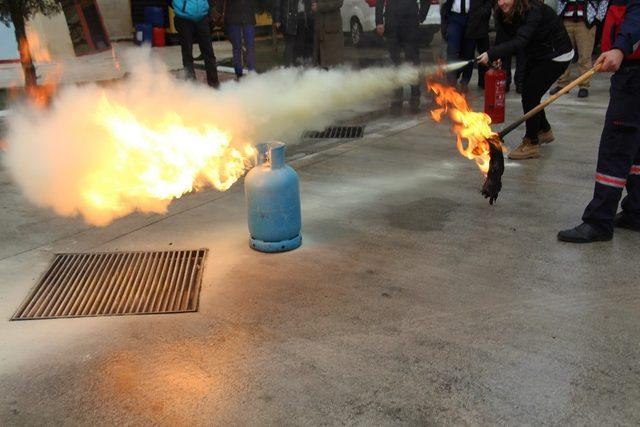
328, 48
400, 28
192, 22
295, 19
535, 28
464, 24
619, 152
240, 22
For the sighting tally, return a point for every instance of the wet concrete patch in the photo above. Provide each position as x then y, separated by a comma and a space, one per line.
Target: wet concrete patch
429, 214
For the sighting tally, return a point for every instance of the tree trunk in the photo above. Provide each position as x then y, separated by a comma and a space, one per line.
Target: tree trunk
16, 8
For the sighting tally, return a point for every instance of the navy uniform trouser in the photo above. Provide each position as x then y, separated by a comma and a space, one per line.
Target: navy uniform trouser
402, 35
459, 47
619, 153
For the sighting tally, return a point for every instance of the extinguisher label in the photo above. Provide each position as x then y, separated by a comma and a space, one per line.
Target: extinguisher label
501, 87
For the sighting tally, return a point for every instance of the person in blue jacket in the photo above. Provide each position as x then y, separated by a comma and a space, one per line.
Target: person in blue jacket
619, 152
192, 23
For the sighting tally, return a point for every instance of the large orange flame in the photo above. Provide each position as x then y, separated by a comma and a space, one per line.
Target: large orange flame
148, 161
135, 159
125, 158
474, 127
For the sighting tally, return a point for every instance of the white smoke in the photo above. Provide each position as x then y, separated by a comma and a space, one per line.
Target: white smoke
50, 152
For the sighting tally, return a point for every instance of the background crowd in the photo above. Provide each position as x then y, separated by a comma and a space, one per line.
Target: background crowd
312, 31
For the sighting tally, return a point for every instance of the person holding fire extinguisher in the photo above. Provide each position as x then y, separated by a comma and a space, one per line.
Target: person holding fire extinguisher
619, 153
536, 28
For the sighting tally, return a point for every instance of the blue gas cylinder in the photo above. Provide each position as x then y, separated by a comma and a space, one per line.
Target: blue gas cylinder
272, 191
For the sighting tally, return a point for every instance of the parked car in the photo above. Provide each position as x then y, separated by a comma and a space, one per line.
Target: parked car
359, 21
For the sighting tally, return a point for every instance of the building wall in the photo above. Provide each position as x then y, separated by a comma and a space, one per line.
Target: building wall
116, 15
53, 33
8, 44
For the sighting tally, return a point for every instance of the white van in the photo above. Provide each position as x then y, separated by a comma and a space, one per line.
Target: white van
359, 21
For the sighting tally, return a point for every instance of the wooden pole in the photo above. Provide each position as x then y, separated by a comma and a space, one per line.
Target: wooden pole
586, 76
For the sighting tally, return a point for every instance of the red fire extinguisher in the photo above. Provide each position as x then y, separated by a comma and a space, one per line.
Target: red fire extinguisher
495, 85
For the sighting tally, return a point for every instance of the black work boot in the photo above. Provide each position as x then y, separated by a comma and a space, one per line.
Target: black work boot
584, 233
623, 221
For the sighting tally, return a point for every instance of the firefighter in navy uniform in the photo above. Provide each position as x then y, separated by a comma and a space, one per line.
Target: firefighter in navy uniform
619, 153
400, 27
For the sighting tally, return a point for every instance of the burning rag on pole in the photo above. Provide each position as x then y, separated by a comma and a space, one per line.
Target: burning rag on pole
475, 139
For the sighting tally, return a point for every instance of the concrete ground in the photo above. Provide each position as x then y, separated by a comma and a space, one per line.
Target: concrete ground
411, 301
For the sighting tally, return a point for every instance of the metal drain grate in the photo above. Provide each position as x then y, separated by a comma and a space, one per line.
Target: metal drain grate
343, 132
116, 283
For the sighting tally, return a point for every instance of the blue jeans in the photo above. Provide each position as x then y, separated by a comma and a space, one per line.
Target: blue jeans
459, 47
236, 34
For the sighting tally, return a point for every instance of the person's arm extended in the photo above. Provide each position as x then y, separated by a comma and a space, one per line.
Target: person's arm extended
329, 5
522, 38
628, 39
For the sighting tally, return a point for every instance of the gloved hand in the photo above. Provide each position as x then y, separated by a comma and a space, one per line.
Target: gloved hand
493, 183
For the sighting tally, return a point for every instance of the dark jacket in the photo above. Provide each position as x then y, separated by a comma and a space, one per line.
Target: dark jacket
479, 15
628, 38
239, 12
539, 32
286, 12
177, 5
388, 11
